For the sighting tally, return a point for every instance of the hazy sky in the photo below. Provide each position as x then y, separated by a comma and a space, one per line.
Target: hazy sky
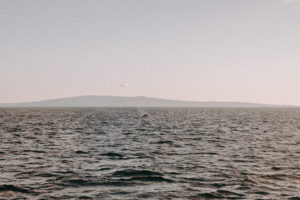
219, 50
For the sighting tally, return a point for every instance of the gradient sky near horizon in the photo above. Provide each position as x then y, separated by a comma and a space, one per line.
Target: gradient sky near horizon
202, 50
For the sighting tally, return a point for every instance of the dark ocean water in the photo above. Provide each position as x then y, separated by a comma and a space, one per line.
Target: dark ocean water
174, 153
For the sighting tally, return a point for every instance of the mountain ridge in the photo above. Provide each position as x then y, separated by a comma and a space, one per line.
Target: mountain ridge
136, 101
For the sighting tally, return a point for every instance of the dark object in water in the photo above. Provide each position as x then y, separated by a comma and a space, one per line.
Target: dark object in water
145, 115
113, 155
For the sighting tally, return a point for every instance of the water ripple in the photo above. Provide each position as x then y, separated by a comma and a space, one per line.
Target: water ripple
173, 153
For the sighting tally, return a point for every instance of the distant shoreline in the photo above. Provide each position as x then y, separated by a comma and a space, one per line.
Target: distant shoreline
130, 102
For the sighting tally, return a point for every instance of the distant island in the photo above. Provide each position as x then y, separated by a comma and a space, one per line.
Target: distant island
139, 101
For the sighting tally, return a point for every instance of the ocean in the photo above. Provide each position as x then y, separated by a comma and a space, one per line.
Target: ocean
150, 153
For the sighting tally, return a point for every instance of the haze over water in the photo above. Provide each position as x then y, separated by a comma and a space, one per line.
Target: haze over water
172, 153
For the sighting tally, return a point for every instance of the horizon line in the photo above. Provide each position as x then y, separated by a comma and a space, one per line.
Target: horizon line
142, 96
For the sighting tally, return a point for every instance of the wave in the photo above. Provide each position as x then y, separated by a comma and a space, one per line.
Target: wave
13, 188
220, 194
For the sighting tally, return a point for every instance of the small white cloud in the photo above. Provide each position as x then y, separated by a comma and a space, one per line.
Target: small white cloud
125, 85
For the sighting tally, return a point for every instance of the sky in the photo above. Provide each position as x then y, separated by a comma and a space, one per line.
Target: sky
200, 50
